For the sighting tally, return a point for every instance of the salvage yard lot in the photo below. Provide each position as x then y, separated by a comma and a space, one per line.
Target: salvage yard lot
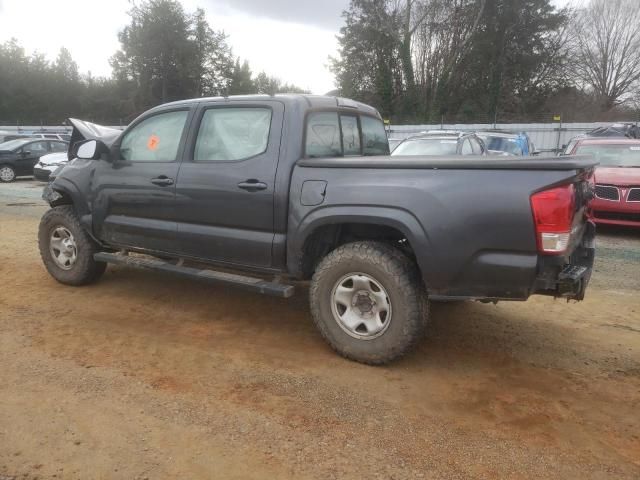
149, 376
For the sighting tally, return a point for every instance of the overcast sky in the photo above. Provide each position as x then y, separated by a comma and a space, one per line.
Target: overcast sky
289, 39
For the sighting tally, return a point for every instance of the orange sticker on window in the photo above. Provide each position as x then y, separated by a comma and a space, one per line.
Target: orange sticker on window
153, 142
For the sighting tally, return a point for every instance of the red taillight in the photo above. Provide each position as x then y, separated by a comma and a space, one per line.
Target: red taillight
553, 216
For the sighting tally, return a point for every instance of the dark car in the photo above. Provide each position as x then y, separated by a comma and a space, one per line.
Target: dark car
617, 177
441, 142
18, 157
261, 191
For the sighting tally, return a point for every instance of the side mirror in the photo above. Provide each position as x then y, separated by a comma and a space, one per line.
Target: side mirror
90, 150
25, 153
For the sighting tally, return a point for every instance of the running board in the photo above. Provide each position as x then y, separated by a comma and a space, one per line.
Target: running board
252, 284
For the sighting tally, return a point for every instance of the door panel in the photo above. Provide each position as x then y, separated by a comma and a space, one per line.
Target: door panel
225, 189
134, 194
30, 155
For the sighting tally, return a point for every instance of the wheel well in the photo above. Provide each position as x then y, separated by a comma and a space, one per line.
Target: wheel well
65, 199
326, 238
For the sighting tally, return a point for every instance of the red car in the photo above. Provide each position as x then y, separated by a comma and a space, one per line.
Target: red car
617, 196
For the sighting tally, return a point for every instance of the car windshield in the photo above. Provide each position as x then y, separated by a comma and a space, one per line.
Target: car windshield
502, 144
12, 144
613, 155
427, 146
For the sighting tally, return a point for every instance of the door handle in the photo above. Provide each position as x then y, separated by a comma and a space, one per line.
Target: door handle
162, 181
252, 185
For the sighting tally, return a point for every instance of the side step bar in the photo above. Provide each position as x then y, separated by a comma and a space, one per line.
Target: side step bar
252, 284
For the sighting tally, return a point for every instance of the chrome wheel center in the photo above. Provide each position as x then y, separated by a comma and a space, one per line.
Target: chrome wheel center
6, 174
361, 306
63, 248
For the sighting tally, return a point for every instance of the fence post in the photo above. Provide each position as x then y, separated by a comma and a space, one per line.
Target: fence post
559, 134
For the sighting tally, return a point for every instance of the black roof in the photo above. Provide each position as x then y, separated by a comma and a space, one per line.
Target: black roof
303, 100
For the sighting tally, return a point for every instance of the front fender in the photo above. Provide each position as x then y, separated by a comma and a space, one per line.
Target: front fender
396, 218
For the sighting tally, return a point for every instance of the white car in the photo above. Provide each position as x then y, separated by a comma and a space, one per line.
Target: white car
49, 164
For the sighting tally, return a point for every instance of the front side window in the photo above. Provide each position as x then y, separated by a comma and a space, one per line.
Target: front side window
232, 134
155, 139
323, 135
374, 136
350, 135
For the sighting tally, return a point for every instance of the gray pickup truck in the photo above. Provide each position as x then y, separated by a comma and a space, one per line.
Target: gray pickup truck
261, 191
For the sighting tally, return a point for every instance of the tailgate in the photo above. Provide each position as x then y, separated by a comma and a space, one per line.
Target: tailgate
566, 273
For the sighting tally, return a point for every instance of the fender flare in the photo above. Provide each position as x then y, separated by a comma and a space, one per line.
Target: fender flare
397, 218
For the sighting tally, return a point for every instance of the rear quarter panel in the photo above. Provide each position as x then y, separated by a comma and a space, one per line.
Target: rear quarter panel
471, 230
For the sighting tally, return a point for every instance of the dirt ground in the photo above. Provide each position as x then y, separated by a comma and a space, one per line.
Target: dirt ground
148, 376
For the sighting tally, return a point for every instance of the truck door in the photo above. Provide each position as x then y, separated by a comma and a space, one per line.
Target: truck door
225, 188
134, 193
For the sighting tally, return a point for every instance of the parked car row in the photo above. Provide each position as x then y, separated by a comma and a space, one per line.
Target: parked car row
19, 157
5, 136
617, 177
453, 142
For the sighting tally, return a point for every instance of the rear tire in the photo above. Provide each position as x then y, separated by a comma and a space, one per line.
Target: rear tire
368, 302
66, 248
7, 174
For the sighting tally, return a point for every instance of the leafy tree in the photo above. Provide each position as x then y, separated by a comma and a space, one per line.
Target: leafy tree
417, 59
155, 53
212, 58
606, 49
271, 85
241, 79
368, 67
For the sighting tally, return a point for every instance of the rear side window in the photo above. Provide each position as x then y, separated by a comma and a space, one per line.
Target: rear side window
333, 135
475, 146
466, 147
323, 135
154, 139
350, 135
232, 134
36, 147
569, 148
374, 137
58, 147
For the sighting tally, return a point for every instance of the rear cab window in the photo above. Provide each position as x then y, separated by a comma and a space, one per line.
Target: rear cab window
335, 134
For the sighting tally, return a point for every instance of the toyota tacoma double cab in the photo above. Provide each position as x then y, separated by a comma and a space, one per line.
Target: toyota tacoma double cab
264, 192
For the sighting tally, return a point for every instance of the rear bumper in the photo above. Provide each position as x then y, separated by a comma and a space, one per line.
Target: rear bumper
568, 277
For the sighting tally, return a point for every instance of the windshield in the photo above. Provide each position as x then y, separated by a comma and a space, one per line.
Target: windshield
502, 144
427, 146
613, 155
12, 144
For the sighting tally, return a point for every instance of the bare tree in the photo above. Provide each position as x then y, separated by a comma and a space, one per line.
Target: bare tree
606, 50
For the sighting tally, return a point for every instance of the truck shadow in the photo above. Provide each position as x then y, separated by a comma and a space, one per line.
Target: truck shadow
464, 335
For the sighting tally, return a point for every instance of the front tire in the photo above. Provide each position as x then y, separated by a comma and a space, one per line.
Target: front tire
7, 174
66, 248
368, 302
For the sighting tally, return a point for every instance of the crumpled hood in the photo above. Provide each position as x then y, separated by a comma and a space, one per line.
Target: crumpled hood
90, 131
619, 176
